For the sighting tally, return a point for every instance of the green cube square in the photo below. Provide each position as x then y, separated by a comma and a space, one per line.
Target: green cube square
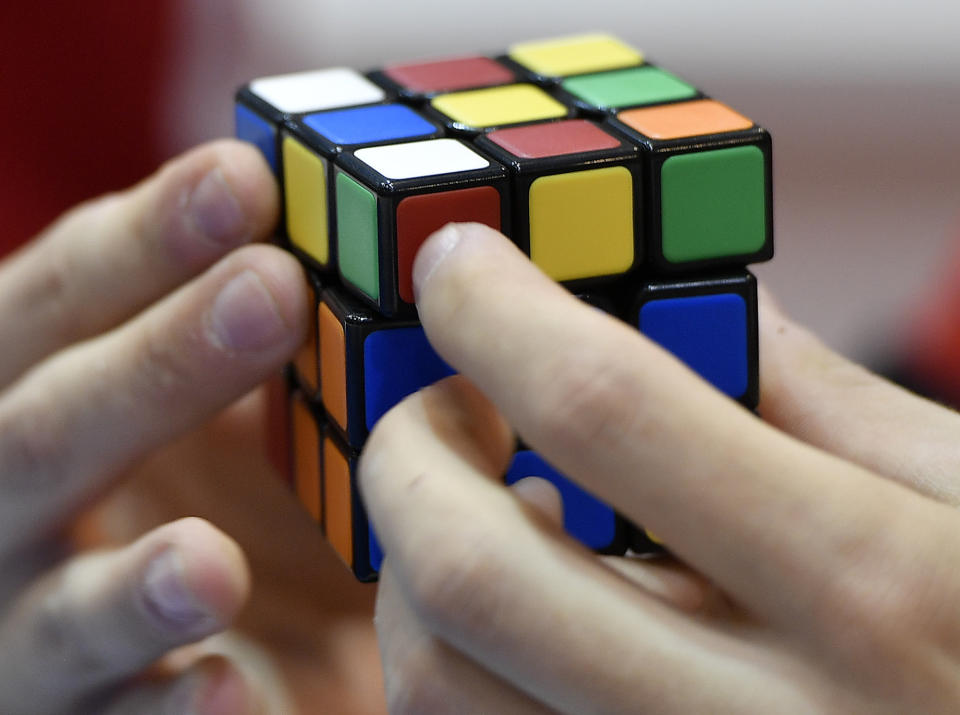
713, 203
357, 236
629, 87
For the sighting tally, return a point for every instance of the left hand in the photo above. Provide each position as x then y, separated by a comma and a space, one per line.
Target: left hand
830, 531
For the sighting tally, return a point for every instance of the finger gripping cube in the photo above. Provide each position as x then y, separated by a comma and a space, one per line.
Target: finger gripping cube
627, 184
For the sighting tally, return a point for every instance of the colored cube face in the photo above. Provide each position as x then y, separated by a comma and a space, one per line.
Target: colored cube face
424, 79
306, 461
577, 54
574, 198
307, 157
368, 365
389, 199
346, 526
479, 109
627, 88
266, 102
709, 201
710, 326
585, 517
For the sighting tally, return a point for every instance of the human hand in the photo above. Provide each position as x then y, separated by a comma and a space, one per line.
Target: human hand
130, 322
829, 532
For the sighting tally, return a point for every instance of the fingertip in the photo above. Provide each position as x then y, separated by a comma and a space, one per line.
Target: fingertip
197, 577
454, 238
250, 179
542, 496
215, 568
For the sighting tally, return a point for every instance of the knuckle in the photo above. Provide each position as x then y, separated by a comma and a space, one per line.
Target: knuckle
61, 638
33, 448
460, 588
163, 370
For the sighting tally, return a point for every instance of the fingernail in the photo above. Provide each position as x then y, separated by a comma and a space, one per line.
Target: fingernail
168, 597
214, 209
244, 316
432, 253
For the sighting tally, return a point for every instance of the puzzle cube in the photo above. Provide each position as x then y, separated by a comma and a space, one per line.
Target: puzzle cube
306, 363
587, 519
711, 325
309, 147
419, 81
368, 363
707, 185
473, 111
390, 198
265, 104
615, 176
575, 193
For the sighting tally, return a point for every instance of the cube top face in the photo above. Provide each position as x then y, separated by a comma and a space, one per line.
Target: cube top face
627, 88
317, 90
540, 141
577, 54
449, 75
685, 119
371, 124
478, 109
417, 160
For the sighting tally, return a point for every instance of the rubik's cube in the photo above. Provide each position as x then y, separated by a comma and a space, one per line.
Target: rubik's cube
623, 182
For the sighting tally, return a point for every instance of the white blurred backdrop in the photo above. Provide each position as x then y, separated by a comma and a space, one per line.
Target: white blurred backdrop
862, 99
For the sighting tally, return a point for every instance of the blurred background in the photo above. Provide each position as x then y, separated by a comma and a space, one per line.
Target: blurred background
862, 99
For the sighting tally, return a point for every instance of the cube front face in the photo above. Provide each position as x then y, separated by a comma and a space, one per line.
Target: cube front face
711, 326
714, 204
566, 210
613, 175
574, 183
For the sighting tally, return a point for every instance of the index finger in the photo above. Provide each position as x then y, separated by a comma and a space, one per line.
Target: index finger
743, 503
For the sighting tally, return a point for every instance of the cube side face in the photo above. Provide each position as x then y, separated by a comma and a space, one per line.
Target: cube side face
346, 525
259, 131
307, 465
333, 365
710, 325
306, 200
306, 362
358, 236
587, 519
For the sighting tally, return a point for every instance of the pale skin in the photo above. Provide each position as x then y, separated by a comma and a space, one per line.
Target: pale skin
127, 326
817, 546
820, 544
